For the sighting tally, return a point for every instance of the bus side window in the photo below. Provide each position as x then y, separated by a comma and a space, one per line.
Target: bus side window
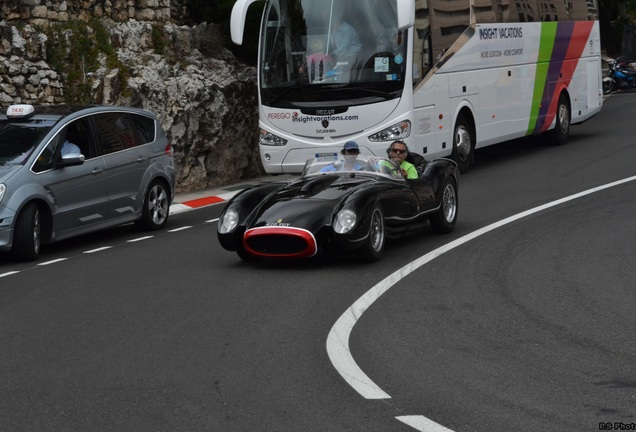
423, 60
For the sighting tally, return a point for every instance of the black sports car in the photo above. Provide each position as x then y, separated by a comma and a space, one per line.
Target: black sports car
340, 206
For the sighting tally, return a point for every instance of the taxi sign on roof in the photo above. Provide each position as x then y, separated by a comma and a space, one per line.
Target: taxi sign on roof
20, 111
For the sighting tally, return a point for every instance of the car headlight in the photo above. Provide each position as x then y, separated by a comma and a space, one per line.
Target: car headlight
345, 221
229, 221
399, 130
3, 190
269, 139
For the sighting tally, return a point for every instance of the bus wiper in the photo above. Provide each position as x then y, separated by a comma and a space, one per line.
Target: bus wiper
285, 92
364, 90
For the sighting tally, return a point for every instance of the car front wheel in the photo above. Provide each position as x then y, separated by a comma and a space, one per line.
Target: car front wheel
373, 247
28, 233
156, 206
445, 218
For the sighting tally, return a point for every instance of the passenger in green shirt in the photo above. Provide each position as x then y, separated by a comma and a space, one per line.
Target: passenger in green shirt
398, 151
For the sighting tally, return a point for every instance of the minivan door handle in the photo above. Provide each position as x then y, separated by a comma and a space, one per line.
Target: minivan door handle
97, 171
141, 159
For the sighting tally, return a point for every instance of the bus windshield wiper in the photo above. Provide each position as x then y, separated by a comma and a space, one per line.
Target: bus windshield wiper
368, 91
284, 93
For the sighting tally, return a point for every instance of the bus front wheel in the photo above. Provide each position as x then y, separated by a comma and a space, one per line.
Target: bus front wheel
463, 144
561, 130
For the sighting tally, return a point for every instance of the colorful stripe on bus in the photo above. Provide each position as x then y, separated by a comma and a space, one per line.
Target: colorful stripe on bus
560, 41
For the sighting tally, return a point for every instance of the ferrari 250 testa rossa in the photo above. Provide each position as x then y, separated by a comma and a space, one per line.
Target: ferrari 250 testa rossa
335, 206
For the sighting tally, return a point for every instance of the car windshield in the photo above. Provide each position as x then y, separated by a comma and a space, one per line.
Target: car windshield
18, 139
351, 164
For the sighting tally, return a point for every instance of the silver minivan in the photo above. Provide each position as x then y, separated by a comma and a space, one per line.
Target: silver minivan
69, 170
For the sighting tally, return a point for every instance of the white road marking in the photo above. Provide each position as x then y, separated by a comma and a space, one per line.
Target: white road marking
139, 239
423, 424
338, 338
8, 273
180, 229
97, 250
55, 261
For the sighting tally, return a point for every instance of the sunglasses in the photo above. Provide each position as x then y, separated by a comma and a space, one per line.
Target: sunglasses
397, 151
354, 151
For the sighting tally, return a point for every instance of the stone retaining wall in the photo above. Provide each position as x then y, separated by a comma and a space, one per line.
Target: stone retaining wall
47, 12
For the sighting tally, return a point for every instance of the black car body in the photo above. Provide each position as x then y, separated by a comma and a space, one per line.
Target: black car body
331, 208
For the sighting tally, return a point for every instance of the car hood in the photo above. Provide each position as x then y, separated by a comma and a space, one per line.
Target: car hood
307, 203
7, 171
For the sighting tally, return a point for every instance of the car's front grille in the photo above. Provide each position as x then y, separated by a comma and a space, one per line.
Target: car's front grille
282, 242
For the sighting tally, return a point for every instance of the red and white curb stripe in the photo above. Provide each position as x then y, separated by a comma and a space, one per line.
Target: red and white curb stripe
200, 202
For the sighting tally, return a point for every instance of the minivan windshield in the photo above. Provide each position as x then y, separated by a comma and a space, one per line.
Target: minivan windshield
336, 51
18, 139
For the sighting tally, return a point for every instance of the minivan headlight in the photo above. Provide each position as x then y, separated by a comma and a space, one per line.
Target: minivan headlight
229, 221
3, 190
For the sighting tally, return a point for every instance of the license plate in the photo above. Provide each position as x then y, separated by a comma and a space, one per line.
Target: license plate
326, 156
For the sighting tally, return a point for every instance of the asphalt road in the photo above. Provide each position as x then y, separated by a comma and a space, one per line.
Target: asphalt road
527, 327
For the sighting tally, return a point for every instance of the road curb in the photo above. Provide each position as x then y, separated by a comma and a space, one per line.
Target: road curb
179, 207
193, 200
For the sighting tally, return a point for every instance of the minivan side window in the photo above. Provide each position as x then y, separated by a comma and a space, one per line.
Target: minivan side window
46, 158
145, 126
78, 133
118, 131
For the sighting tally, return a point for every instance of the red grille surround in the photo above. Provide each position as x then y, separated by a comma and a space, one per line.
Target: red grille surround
280, 242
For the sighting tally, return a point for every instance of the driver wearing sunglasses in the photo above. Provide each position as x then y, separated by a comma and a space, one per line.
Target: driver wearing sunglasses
398, 151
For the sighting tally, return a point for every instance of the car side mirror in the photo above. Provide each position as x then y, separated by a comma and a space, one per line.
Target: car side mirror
72, 159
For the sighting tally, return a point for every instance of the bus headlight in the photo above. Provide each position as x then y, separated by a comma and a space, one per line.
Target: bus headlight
399, 130
269, 139
345, 221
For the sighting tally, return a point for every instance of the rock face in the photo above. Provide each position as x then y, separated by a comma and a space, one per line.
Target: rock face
205, 99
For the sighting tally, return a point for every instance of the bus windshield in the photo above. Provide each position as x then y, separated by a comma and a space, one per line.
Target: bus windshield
336, 51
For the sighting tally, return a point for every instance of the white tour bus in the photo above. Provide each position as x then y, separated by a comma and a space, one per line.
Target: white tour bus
444, 76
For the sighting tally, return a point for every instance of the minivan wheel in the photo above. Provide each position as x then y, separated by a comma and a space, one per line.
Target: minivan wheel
27, 235
156, 207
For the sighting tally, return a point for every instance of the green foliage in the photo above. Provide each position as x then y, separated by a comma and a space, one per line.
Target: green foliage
158, 40
74, 50
630, 7
72, 54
